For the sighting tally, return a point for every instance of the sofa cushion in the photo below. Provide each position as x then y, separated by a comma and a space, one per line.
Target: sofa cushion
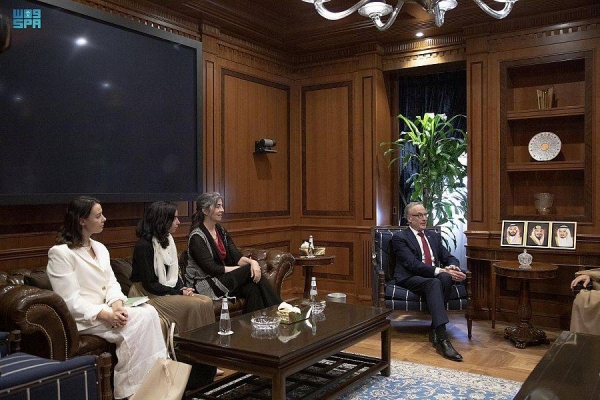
38, 279
122, 269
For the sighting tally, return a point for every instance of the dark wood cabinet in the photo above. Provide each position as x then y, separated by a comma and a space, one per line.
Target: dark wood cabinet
568, 175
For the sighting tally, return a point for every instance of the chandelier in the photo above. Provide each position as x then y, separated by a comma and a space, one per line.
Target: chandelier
377, 9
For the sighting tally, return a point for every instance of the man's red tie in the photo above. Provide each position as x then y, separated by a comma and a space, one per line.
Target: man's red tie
426, 250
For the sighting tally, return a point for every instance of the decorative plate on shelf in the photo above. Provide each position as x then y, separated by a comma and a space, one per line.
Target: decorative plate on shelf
544, 146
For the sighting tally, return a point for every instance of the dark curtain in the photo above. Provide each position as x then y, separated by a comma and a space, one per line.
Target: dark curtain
439, 93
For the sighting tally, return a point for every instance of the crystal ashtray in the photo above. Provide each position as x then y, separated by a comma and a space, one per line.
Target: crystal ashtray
265, 322
265, 333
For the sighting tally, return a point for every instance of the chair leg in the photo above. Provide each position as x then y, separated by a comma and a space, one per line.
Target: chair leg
469, 326
104, 362
14, 339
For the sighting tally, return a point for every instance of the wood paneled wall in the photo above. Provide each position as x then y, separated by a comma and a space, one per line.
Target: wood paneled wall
329, 178
323, 179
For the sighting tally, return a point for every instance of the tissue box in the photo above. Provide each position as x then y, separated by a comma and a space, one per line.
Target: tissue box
290, 318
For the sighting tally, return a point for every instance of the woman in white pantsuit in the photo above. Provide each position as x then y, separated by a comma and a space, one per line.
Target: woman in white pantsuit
79, 271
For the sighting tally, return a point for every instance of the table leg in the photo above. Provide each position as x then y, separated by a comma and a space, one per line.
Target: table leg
524, 333
278, 387
386, 350
493, 294
307, 278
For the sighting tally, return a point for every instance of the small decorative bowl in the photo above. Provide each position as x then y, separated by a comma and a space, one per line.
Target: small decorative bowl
318, 307
265, 322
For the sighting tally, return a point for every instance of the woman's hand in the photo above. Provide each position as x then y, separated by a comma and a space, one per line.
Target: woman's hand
116, 317
581, 278
255, 271
187, 291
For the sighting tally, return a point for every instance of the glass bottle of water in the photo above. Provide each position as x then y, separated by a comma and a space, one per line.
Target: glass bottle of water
311, 246
225, 321
313, 295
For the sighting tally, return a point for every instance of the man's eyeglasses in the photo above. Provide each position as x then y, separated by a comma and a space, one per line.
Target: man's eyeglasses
420, 215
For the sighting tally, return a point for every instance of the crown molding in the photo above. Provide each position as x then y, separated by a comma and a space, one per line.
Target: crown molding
149, 15
520, 24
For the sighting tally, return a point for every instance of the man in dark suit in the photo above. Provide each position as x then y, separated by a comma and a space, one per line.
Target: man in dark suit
424, 266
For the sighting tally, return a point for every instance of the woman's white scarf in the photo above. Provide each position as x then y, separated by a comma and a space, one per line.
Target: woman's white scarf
167, 257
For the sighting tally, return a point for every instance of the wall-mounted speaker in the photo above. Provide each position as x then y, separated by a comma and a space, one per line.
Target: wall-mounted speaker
5, 27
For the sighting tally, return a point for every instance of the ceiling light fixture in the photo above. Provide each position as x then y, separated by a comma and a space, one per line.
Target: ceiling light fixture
378, 9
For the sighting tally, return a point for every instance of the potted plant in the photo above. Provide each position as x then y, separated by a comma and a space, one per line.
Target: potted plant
435, 147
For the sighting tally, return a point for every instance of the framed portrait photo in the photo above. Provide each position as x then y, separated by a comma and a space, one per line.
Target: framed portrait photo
564, 235
537, 234
512, 233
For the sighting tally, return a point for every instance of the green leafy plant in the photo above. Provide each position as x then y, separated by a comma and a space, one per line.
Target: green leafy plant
439, 181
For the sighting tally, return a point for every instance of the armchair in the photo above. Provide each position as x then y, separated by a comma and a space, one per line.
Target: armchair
385, 292
23, 376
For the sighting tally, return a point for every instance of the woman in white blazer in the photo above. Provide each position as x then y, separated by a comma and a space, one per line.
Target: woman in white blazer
80, 272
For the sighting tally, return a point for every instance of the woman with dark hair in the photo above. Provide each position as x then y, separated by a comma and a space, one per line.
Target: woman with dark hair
216, 268
156, 272
80, 272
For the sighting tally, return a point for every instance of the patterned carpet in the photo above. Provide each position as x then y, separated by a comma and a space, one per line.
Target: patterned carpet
415, 381
407, 381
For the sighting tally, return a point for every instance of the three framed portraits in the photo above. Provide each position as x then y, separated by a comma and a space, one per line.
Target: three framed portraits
540, 234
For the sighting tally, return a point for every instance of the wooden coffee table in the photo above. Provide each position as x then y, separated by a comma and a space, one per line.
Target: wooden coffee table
298, 346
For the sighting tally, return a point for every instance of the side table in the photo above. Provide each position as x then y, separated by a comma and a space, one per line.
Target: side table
308, 263
523, 333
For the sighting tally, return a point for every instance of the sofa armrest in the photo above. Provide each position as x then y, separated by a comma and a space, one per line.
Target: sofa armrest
48, 330
276, 265
379, 286
279, 265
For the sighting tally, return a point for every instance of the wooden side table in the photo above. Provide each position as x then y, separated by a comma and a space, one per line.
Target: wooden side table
308, 263
523, 333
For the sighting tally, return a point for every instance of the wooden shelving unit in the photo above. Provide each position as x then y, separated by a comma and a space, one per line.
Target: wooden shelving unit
568, 175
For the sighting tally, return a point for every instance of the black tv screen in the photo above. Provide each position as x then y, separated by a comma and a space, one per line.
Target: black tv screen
92, 103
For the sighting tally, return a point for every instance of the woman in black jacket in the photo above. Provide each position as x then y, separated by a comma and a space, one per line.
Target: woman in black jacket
156, 272
216, 268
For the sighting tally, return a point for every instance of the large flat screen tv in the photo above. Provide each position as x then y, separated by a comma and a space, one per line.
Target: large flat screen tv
93, 103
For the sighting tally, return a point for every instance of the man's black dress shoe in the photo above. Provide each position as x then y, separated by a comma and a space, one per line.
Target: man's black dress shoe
432, 337
444, 347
